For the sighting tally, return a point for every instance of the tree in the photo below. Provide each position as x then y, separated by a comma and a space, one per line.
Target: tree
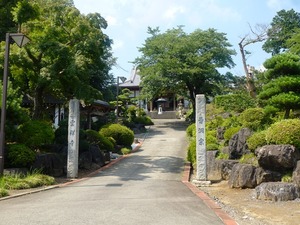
282, 91
282, 28
257, 35
68, 56
7, 24
181, 62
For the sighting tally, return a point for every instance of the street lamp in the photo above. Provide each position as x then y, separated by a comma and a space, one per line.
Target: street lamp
21, 40
117, 108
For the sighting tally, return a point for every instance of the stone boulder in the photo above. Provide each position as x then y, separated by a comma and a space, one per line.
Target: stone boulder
242, 176
262, 176
296, 174
238, 145
277, 191
97, 155
50, 163
85, 160
220, 133
277, 157
218, 169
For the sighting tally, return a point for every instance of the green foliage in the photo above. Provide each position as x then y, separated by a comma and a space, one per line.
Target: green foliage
249, 159
19, 155
3, 192
125, 151
282, 90
231, 121
94, 137
253, 118
191, 154
211, 139
61, 133
212, 147
234, 102
183, 62
191, 130
229, 132
256, 140
146, 120
123, 135
288, 177
36, 133
284, 132
32, 180
222, 155
282, 28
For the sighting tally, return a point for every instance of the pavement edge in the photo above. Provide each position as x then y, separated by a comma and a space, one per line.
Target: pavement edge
227, 220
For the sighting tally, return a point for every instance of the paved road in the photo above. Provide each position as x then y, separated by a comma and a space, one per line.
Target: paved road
144, 188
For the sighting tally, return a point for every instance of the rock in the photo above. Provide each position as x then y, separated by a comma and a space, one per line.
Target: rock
226, 168
97, 155
296, 174
242, 176
238, 145
266, 176
220, 133
277, 157
277, 191
218, 169
85, 160
50, 163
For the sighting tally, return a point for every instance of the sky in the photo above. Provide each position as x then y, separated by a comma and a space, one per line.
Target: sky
128, 21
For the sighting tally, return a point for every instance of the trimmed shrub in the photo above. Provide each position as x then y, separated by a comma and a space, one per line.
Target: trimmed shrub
230, 132
19, 155
222, 155
122, 134
104, 143
125, 151
234, 102
253, 118
212, 147
284, 132
146, 120
256, 140
36, 133
191, 154
191, 130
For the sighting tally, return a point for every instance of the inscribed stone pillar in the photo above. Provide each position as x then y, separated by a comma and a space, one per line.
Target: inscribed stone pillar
200, 138
73, 139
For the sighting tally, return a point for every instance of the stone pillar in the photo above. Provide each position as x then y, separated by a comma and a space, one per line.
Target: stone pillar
201, 177
73, 138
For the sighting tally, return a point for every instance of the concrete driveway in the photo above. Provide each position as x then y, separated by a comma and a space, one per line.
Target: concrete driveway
144, 188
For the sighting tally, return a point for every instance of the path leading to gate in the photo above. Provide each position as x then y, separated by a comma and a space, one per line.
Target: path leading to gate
144, 188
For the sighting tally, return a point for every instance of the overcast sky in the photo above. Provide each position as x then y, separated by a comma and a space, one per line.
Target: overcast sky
128, 21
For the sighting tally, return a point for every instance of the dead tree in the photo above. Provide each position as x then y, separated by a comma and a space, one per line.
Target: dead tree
257, 35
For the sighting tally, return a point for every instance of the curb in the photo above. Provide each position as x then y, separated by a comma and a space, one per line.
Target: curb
227, 220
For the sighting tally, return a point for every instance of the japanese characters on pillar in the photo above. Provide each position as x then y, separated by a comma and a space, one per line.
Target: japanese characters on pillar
200, 138
73, 139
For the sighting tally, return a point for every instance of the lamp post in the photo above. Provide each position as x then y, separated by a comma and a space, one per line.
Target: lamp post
117, 108
21, 40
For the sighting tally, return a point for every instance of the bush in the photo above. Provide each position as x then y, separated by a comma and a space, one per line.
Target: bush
191, 154
288, 177
19, 155
249, 159
234, 102
230, 132
123, 135
191, 130
125, 151
212, 147
256, 140
146, 120
222, 155
253, 118
36, 133
94, 137
211, 139
284, 132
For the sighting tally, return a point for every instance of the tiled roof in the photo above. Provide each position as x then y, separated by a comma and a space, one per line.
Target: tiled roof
134, 80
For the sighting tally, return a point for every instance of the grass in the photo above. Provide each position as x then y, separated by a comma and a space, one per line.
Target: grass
17, 182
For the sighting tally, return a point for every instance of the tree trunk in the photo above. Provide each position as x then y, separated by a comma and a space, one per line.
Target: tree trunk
38, 104
249, 76
287, 113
